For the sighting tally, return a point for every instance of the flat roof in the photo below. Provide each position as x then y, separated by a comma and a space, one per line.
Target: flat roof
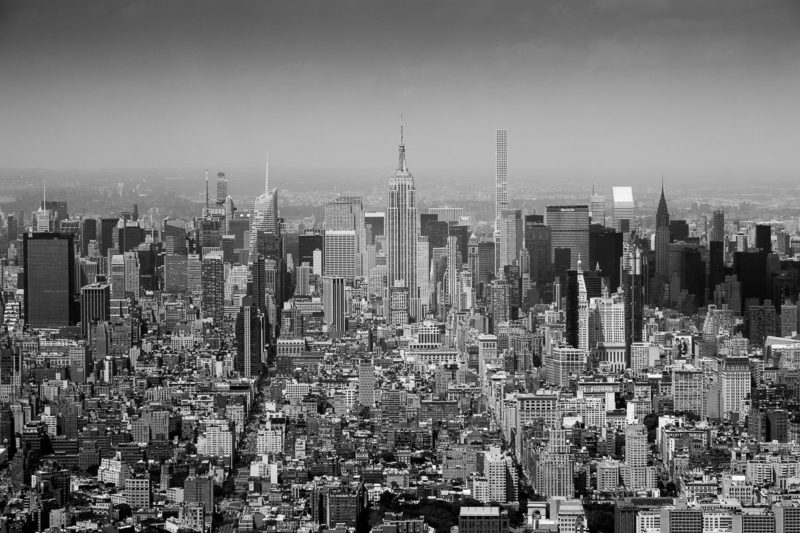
480, 511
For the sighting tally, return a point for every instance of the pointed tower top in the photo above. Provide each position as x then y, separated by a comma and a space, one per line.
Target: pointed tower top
206, 189
662, 212
266, 176
401, 164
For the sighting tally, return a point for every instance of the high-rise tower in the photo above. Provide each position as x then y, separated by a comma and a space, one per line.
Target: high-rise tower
402, 227
662, 250
264, 216
501, 174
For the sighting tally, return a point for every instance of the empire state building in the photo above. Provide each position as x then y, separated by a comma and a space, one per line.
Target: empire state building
402, 230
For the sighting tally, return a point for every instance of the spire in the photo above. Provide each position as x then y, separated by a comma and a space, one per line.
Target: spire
662, 212
44, 193
206, 189
401, 164
266, 177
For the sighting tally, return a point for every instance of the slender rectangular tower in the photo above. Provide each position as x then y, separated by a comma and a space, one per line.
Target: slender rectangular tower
501, 174
402, 228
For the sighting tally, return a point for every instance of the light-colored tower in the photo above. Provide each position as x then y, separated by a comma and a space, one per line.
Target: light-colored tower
583, 312
264, 215
453, 267
402, 227
501, 174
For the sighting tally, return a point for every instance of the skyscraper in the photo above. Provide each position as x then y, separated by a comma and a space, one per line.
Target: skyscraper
597, 208
213, 281
95, 306
509, 237
333, 305
49, 280
346, 213
264, 215
341, 256
501, 174
718, 226
222, 188
662, 251
537, 242
569, 228
402, 228
250, 338
623, 209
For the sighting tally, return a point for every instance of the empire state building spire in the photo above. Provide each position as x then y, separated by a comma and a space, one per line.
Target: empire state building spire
401, 164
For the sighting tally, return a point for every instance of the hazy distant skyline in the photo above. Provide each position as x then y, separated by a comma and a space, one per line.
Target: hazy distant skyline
605, 89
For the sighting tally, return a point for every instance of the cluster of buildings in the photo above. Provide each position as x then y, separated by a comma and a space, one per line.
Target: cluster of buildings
240, 371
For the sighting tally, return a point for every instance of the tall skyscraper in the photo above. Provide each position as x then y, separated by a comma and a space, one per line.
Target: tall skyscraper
537, 242
501, 174
49, 280
95, 306
250, 338
213, 281
264, 215
660, 294
346, 213
402, 228
597, 208
636, 474
510, 238
623, 209
341, 253
718, 226
222, 188
333, 305
453, 267
569, 229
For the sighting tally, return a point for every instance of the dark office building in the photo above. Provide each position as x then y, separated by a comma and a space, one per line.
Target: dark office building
209, 232
751, 270
88, 233
462, 235
95, 306
678, 230
175, 237
486, 262
108, 226
308, 242
49, 280
436, 231
605, 249
537, 242
148, 267
58, 210
199, 490
716, 258
376, 225
237, 227
562, 259
250, 335
764, 237
130, 236
258, 275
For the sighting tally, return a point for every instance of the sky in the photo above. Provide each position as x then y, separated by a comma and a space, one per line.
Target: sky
607, 89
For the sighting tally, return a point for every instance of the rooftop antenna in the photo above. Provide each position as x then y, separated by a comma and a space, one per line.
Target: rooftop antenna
206, 190
266, 177
402, 155
44, 193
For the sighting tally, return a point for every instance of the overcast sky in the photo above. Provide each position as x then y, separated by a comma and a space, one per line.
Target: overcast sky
629, 88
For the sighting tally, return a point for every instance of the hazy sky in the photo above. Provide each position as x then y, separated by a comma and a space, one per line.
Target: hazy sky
606, 88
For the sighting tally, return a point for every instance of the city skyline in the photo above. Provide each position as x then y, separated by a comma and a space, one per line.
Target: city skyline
598, 91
